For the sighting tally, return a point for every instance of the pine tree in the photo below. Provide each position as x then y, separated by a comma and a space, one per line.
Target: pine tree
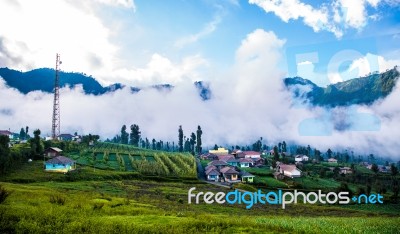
276, 153
180, 139
22, 135
124, 135
135, 135
192, 142
198, 146
284, 149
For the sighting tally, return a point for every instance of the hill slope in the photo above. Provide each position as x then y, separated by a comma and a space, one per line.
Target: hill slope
364, 90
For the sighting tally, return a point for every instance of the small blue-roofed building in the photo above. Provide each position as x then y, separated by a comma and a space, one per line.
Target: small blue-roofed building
60, 164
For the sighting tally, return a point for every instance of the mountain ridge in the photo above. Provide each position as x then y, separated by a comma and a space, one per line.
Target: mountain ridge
362, 90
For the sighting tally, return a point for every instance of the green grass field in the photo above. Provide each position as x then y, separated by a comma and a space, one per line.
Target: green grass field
107, 201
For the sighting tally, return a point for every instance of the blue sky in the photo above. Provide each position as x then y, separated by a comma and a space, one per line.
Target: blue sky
123, 40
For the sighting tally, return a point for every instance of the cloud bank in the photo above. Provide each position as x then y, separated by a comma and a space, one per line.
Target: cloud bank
249, 101
335, 17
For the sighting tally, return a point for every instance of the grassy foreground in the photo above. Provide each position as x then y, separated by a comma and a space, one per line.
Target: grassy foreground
48, 203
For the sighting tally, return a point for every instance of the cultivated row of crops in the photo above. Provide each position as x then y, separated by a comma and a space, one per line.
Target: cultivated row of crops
146, 162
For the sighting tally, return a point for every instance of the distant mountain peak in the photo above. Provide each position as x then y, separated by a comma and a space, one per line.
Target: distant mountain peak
42, 79
363, 90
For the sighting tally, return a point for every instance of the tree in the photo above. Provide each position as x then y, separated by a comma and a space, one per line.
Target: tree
199, 132
192, 142
329, 152
318, 156
322, 172
280, 147
91, 139
134, 135
36, 144
393, 169
284, 149
124, 135
276, 153
346, 157
180, 139
215, 147
153, 143
308, 151
187, 145
336, 171
26, 133
22, 134
374, 168
5, 159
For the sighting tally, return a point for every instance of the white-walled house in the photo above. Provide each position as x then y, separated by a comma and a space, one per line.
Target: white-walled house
251, 154
245, 162
301, 158
332, 160
289, 170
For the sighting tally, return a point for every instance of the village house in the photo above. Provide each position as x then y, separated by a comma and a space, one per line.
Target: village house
60, 164
218, 164
236, 152
212, 173
233, 162
288, 170
332, 160
345, 170
246, 177
208, 156
245, 162
383, 169
251, 154
52, 152
258, 162
7, 133
65, 137
229, 174
301, 158
225, 157
219, 151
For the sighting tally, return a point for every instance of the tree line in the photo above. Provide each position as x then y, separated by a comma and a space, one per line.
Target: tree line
192, 144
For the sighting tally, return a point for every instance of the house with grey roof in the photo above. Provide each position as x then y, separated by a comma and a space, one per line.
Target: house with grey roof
60, 164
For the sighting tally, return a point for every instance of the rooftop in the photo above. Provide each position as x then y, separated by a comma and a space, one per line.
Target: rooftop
60, 160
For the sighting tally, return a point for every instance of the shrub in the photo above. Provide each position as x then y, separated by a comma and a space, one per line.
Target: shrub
98, 205
4, 193
57, 199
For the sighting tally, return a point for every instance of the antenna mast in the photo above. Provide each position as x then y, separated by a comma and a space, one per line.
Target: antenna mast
55, 130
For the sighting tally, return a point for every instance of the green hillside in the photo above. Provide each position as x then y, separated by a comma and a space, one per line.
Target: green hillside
118, 157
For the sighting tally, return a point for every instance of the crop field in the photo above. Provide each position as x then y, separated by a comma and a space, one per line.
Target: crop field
109, 156
108, 201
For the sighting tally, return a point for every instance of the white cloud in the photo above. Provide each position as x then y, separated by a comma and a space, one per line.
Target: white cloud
249, 101
366, 64
161, 70
335, 17
120, 3
40, 29
209, 28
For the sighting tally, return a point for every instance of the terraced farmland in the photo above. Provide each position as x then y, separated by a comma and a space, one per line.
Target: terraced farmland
132, 159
